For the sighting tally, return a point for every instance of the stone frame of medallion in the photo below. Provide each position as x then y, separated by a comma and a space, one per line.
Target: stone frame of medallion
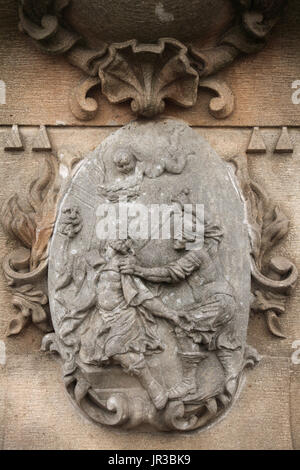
84, 103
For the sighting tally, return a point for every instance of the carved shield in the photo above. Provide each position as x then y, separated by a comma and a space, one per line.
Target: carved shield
152, 329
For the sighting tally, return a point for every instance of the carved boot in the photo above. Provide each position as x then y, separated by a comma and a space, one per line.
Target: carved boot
157, 393
187, 386
231, 377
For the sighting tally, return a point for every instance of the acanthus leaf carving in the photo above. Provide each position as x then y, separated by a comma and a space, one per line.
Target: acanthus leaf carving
17, 223
267, 225
31, 222
29, 300
83, 275
30, 303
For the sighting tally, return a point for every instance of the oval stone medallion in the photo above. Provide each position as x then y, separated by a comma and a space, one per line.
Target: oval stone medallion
149, 280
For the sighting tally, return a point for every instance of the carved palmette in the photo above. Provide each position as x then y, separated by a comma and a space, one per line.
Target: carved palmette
146, 73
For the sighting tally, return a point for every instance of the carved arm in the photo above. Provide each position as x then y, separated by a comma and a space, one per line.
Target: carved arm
171, 273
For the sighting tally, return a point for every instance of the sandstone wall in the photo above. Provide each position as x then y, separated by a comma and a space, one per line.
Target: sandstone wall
35, 412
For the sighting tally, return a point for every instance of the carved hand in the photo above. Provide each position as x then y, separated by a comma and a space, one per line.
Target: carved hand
128, 266
184, 321
175, 318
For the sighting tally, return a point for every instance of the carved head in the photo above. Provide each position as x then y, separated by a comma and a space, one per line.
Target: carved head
123, 247
182, 198
71, 223
125, 160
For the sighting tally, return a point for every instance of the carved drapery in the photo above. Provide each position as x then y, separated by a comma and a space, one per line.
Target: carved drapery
26, 270
32, 226
147, 76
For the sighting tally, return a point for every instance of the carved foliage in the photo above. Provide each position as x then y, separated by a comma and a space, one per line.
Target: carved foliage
272, 280
31, 223
31, 303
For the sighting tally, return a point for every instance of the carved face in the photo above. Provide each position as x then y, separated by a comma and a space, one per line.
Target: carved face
120, 246
138, 318
125, 161
71, 212
71, 221
182, 198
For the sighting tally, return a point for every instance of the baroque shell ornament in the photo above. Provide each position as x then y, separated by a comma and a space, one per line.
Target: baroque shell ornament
155, 59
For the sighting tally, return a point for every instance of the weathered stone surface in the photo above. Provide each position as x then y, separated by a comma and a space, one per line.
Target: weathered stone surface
256, 144
13, 139
284, 144
3, 394
151, 163
41, 141
258, 82
147, 68
34, 410
40, 416
158, 19
295, 394
266, 385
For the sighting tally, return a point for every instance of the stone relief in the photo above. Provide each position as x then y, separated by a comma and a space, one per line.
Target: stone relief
157, 61
31, 223
151, 334
271, 282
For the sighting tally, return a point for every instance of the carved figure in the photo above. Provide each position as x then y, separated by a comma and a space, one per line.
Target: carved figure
150, 331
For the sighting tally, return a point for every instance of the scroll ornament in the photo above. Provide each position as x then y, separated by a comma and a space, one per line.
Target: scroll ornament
32, 223
273, 280
148, 75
